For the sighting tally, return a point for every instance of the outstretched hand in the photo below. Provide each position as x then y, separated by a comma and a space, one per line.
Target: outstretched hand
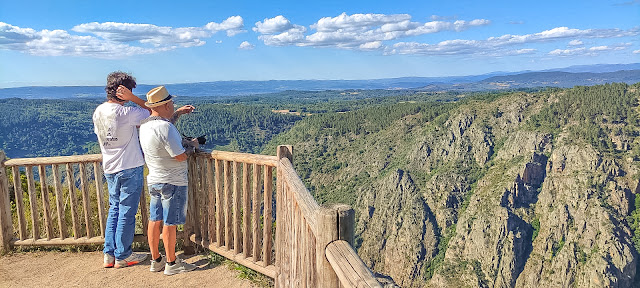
186, 109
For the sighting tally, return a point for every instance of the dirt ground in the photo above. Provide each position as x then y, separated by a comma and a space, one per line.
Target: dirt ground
84, 269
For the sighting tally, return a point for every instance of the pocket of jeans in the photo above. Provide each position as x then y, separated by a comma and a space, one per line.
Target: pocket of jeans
167, 192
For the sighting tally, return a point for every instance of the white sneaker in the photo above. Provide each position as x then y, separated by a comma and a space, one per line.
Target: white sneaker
109, 261
179, 267
133, 259
157, 266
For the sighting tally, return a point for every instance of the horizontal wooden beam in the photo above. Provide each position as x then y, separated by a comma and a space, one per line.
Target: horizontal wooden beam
267, 160
54, 160
270, 270
350, 269
79, 241
59, 241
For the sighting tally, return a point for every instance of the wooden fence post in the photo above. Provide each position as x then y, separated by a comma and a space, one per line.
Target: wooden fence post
189, 225
284, 151
327, 232
346, 223
6, 225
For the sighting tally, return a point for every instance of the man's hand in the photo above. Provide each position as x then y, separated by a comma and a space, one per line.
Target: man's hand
186, 109
125, 94
195, 143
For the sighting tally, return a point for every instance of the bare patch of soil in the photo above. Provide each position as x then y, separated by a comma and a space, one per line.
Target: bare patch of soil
84, 269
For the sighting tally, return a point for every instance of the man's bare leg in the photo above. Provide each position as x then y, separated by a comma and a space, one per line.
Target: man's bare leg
153, 235
169, 239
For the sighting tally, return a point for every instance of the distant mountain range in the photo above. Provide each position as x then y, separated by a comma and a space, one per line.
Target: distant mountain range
586, 75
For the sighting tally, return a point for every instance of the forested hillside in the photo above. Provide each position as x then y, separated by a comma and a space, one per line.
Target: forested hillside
527, 188
46, 127
31, 128
519, 189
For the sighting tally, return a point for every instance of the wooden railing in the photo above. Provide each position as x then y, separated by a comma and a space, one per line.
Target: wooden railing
235, 209
36, 224
306, 238
230, 212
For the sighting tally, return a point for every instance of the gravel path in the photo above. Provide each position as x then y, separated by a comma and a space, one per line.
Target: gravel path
84, 269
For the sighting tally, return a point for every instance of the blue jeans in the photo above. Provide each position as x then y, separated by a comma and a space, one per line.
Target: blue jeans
124, 196
168, 203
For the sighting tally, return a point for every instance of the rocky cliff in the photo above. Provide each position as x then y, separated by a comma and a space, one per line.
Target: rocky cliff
512, 190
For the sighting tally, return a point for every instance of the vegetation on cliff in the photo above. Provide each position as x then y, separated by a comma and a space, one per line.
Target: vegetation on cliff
512, 189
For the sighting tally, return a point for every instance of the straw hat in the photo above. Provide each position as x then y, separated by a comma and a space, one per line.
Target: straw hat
158, 96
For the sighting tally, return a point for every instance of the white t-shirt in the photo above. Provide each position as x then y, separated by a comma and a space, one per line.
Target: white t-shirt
117, 133
161, 142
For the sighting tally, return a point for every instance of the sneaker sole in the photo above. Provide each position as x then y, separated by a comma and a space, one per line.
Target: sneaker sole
108, 265
181, 271
128, 264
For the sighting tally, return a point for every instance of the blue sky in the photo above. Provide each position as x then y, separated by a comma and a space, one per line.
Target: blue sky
59, 43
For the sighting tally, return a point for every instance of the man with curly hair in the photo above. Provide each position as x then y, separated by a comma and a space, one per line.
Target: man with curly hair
122, 162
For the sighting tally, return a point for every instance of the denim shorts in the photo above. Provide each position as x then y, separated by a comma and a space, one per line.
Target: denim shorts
168, 203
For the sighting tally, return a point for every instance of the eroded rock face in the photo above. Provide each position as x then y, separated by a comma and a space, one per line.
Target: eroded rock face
577, 242
521, 208
396, 228
580, 241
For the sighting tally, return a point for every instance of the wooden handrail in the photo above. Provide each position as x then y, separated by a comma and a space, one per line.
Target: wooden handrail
302, 197
53, 160
350, 269
271, 161
310, 247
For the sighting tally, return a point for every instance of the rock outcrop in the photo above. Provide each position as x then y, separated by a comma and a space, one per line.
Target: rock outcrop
482, 196
396, 228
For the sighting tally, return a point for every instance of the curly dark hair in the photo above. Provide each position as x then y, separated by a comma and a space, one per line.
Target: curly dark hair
115, 79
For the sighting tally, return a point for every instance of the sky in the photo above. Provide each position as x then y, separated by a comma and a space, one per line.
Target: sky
63, 43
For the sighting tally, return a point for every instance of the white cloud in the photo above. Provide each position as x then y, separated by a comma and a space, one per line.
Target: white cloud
440, 26
575, 42
293, 36
245, 45
278, 31
636, 51
562, 33
449, 47
501, 45
145, 33
356, 22
357, 31
275, 25
568, 52
371, 45
591, 51
233, 25
111, 39
60, 42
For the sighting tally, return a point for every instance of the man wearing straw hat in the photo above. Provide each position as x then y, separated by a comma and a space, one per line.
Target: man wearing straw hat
122, 162
167, 179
